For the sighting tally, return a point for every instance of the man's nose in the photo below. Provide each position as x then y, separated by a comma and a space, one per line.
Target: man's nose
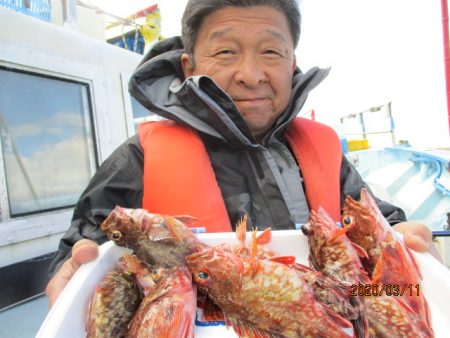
250, 72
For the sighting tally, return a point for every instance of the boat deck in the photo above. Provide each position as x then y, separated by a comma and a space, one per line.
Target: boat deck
23, 320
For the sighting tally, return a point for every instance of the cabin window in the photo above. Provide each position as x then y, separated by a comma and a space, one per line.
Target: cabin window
47, 141
142, 114
139, 111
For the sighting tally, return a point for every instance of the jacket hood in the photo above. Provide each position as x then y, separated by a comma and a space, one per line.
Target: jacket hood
159, 85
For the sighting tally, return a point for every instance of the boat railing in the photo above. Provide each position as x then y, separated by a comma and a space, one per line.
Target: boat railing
439, 163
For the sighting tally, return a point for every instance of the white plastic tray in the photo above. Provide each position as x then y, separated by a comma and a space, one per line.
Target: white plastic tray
67, 317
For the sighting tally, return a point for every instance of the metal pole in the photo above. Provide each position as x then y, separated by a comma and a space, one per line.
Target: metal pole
70, 13
388, 107
445, 27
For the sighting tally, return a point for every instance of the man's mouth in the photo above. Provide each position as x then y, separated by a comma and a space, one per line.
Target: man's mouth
249, 99
251, 103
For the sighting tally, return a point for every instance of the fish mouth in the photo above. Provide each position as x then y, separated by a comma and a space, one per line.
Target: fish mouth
352, 204
365, 208
365, 197
113, 218
320, 224
306, 229
365, 200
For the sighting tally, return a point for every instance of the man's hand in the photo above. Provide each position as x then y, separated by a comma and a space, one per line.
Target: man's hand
418, 237
83, 251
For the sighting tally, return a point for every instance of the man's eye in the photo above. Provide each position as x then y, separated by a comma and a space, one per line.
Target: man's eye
224, 52
272, 52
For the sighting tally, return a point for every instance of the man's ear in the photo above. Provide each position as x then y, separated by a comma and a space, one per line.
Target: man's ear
187, 64
294, 64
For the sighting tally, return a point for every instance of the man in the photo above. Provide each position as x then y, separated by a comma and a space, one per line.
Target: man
235, 147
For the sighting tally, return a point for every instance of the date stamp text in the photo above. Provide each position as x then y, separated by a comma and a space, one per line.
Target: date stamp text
396, 290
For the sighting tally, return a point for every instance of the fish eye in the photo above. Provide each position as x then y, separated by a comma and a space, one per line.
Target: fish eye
305, 229
347, 220
116, 235
203, 275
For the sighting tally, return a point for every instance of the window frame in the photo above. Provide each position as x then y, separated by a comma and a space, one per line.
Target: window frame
26, 60
93, 165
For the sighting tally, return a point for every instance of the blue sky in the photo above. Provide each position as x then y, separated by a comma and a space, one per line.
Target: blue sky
39, 111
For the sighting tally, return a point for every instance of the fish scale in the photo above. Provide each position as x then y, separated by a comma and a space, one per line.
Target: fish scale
113, 305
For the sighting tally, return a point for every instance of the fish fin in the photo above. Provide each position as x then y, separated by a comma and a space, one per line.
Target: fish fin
186, 219
241, 229
336, 234
377, 271
254, 251
405, 305
172, 321
171, 223
410, 268
361, 324
359, 250
132, 263
409, 263
201, 246
286, 260
414, 262
88, 316
245, 329
313, 263
211, 312
182, 320
402, 258
254, 265
302, 267
338, 319
265, 237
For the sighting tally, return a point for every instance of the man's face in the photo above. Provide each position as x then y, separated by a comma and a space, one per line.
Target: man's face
249, 53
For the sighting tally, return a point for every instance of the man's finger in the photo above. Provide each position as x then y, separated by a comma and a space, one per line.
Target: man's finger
59, 281
83, 251
415, 242
418, 237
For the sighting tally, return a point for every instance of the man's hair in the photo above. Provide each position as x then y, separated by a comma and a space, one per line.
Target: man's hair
197, 10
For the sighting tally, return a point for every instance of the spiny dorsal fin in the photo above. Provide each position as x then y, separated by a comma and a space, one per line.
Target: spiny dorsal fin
265, 237
241, 229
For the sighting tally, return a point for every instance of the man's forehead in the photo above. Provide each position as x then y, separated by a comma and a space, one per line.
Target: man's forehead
224, 32
254, 15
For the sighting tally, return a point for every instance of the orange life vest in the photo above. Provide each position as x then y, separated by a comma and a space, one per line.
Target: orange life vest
179, 179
